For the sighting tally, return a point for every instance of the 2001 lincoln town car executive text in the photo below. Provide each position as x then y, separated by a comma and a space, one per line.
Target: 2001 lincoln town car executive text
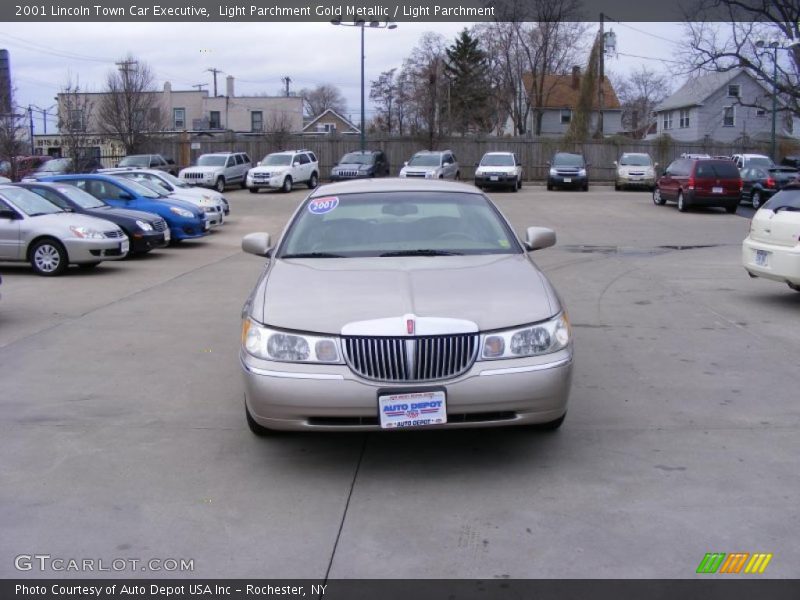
401, 303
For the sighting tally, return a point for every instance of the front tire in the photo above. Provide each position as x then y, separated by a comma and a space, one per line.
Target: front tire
794, 286
682, 206
88, 266
658, 199
255, 428
313, 182
552, 425
287, 185
756, 199
220, 184
731, 210
253, 190
48, 258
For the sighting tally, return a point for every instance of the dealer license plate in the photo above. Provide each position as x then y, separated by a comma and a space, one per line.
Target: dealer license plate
762, 257
716, 190
417, 409
166, 235
125, 246
493, 178
206, 225
567, 179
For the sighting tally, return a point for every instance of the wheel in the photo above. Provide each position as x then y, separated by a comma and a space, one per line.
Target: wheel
551, 425
519, 184
731, 209
220, 185
586, 187
253, 190
287, 185
48, 257
617, 187
756, 199
458, 175
658, 200
88, 266
682, 203
549, 187
313, 181
257, 429
175, 241
243, 183
515, 187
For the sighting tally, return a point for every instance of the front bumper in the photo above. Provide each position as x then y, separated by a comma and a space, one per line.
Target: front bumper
89, 251
637, 182
149, 240
782, 262
496, 180
330, 397
274, 182
184, 229
575, 181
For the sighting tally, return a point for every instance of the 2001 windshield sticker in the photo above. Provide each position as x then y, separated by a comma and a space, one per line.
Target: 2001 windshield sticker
321, 206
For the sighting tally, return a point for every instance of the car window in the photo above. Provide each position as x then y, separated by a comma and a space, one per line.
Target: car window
51, 196
230, 162
312, 157
788, 199
724, 169
425, 160
211, 160
276, 160
29, 203
568, 160
245, 158
498, 160
374, 224
239, 159
303, 158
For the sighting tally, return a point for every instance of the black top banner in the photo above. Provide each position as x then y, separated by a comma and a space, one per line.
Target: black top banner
384, 10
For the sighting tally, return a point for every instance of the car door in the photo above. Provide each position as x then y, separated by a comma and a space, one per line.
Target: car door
450, 167
304, 172
666, 183
239, 159
10, 247
749, 178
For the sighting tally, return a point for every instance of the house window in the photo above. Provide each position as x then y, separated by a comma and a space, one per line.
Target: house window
761, 112
139, 121
76, 122
179, 118
684, 118
667, 120
213, 120
566, 116
734, 90
729, 116
256, 121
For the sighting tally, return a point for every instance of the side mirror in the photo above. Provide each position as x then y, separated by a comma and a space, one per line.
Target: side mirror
615, 163
655, 165
548, 163
519, 164
257, 243
537, 238
296, 164
405, 164
9, 214
258, 164
476, 165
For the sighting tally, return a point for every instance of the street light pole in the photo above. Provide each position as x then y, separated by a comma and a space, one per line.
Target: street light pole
362, 24
774, 96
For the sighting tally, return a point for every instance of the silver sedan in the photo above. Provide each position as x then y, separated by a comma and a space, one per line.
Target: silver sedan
392, 304
50, 238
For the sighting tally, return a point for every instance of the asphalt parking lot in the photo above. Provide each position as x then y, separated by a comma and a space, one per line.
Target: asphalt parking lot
123, 435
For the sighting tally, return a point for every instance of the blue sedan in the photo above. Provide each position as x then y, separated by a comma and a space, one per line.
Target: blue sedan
185, 220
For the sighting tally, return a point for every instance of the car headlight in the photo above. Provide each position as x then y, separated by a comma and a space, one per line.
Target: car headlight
430, 175
542, 338
582, 173
144, 225
269, 344
181, 212
86, 233
553, 172
209, 209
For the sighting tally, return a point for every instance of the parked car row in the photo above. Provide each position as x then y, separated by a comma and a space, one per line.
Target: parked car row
83, 219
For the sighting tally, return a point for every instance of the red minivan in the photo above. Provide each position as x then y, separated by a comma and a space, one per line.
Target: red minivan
700, 182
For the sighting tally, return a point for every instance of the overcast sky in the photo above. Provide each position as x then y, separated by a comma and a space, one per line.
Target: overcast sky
44, 56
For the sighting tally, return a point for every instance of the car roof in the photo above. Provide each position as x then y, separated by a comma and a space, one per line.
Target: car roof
431, 152
503, 152
392, 184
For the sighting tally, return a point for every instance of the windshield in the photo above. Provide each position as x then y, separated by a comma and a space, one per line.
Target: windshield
56, 165
135, 161
356, 158
172, 180
276, 160
147, 180
140, 188
497, 160
425, 160
79, 197
635, 160
568, 160
759, 161
212, 160
31, 204
398, 224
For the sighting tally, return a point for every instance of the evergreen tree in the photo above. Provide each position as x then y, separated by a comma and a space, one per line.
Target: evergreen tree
467, 104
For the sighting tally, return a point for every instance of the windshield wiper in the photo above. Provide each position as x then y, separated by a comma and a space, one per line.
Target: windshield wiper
422, 252
312, 255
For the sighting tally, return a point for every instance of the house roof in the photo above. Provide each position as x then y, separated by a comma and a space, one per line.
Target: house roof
309, 127
560, 93
698, 89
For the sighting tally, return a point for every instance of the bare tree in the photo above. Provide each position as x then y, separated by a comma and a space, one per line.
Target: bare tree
383, 92
639, 93
130, 109
425, 86
279, 130
723, 35
12, 131
321, 98
74, 113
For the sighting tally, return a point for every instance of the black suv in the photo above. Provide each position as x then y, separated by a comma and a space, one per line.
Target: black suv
360, 164
568, 170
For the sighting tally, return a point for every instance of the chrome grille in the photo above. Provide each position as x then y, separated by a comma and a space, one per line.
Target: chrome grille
404, 359
193, 175
415, 174
348, 173
160, 225
114, 234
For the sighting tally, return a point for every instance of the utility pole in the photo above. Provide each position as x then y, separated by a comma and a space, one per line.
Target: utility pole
600, 90
286, 81
199, 86
30, 117
215, 71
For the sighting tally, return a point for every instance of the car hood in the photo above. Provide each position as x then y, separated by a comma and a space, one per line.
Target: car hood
625, 170
125, 212
410, 168
351, 166
270, 169
487, 169
196, 169
65, 220
324, 295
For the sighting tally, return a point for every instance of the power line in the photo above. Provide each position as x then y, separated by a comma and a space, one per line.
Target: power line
664, 60
642, 31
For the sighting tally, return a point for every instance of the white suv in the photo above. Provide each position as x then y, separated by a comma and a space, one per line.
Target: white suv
218, 170
281, 170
